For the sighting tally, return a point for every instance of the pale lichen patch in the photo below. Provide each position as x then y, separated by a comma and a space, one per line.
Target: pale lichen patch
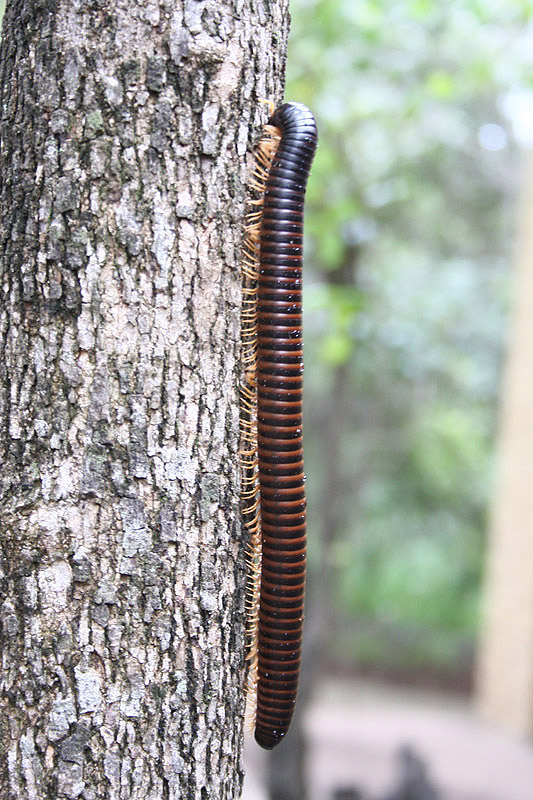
54, 585
88, 689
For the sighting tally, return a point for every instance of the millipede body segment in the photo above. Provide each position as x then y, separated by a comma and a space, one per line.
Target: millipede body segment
278, 556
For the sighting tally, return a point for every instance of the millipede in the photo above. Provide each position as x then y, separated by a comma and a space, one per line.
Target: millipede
273, 494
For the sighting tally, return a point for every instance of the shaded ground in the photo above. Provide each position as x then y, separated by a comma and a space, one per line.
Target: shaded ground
356, 730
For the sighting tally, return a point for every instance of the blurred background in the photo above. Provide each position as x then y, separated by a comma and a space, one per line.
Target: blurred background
418, 671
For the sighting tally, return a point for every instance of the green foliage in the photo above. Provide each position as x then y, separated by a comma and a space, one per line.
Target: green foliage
407, 253
339, 306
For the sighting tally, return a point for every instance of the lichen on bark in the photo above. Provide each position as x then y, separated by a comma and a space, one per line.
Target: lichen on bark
124, 133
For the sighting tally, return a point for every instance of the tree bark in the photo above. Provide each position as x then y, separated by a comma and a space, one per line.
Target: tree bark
125, 127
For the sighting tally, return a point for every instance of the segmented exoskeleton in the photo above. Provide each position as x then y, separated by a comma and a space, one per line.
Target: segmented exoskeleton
273, 485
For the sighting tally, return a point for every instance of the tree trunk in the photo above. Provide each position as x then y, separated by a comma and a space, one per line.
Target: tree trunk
124, 135
505, 661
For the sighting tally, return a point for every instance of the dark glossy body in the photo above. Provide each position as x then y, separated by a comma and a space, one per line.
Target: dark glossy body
279, 421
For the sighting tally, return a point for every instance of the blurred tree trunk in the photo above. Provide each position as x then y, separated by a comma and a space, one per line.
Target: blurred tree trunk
125, 127
505, 668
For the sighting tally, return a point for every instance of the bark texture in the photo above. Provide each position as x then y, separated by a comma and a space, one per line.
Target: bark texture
124, 132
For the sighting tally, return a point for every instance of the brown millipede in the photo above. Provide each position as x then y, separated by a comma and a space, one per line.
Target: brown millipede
271, 417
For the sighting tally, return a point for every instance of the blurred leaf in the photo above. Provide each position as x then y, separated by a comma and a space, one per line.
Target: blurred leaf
336, 348
441, 85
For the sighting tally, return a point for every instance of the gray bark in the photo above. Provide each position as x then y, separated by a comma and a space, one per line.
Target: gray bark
125, 127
